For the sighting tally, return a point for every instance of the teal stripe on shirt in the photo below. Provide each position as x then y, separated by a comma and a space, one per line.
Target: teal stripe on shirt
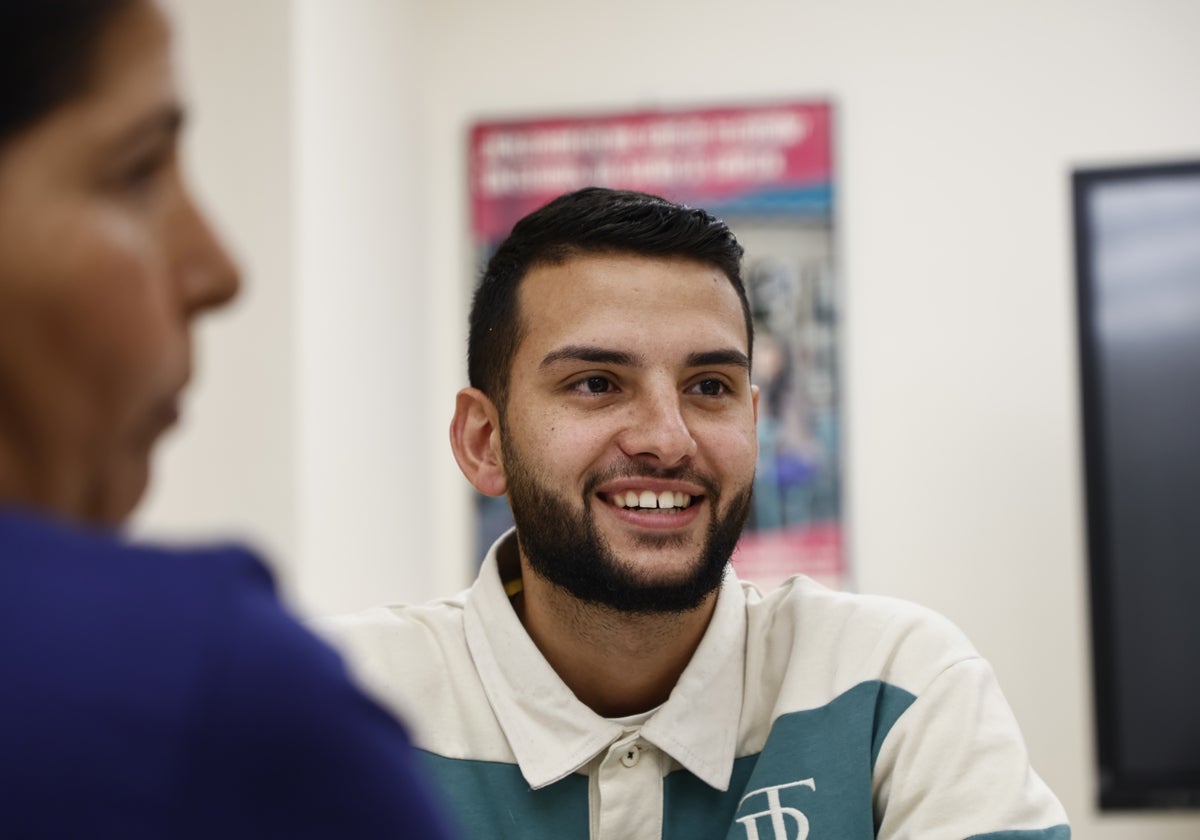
1055, 832
492, 799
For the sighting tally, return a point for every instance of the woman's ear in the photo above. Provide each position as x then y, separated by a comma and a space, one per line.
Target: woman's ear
475, 439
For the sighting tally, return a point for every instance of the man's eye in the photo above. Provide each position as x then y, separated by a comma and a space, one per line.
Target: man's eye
594, 385
711, 387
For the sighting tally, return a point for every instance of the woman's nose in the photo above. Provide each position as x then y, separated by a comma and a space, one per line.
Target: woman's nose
207, 274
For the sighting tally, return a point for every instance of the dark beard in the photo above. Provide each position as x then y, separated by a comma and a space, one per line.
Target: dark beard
564, 547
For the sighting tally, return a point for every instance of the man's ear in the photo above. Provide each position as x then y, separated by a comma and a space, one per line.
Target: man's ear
475, 439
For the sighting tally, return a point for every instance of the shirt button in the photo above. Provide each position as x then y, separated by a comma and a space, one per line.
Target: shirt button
631, 756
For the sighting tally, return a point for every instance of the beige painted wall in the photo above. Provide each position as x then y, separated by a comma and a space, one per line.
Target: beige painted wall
230, 470
331, 137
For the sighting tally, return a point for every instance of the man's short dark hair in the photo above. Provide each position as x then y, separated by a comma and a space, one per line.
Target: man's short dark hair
593, 220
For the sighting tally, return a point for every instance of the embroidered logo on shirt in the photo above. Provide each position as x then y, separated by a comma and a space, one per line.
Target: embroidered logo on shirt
787, 823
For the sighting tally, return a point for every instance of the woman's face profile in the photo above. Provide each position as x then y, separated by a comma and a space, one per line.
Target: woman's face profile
104, 262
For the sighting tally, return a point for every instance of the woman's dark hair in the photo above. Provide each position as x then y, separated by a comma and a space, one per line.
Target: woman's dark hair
47, 48
593, 220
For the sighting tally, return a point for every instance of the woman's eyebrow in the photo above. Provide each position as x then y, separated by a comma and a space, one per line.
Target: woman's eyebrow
166, 121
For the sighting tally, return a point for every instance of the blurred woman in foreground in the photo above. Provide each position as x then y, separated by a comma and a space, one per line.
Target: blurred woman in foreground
146, 693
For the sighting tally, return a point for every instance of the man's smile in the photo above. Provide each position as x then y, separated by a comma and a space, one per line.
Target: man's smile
655, 500
646, 502
668, 500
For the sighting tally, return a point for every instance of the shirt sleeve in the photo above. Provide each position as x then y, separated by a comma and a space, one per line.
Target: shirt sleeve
955, 766
284, 745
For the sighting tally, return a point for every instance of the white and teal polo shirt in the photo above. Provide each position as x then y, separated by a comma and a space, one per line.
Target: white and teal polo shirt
805, 713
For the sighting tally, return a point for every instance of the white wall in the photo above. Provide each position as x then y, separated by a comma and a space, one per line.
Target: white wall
332, 145
230, 470
309, 430
363, 324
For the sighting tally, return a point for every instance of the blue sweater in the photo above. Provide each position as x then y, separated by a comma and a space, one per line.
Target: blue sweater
167, 694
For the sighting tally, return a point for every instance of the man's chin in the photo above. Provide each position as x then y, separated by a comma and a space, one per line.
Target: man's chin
651, 567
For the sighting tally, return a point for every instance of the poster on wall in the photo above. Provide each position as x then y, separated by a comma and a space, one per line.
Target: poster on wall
767, 170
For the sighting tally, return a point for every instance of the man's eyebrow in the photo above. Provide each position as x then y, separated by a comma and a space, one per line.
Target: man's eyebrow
596, 355
719, 358
605, 356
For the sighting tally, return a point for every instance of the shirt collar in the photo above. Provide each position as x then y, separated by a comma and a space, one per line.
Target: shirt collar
552, 734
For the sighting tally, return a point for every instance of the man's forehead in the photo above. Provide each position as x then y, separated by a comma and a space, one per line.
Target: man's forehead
615, 302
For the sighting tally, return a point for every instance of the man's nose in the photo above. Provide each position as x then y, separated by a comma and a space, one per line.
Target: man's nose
657, 428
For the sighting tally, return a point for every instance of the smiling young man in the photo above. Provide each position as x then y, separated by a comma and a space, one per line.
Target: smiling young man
607, 676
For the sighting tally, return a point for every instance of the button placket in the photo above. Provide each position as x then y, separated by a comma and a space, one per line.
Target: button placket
629, 788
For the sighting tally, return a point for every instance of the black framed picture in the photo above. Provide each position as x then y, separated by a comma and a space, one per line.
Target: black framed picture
1137, 241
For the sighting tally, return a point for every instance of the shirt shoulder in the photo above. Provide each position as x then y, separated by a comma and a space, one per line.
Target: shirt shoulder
398, 635
413, 658
815, 643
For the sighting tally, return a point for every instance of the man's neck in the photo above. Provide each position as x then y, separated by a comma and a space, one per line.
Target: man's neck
616, 663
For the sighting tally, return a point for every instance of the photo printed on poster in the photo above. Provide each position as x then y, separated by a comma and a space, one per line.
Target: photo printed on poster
767, 170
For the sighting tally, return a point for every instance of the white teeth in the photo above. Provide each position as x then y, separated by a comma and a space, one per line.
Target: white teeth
666, 500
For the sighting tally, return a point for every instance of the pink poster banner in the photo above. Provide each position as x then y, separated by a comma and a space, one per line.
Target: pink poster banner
711, 153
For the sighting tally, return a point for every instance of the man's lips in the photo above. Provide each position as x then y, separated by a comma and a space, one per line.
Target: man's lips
650, 499
648, 494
